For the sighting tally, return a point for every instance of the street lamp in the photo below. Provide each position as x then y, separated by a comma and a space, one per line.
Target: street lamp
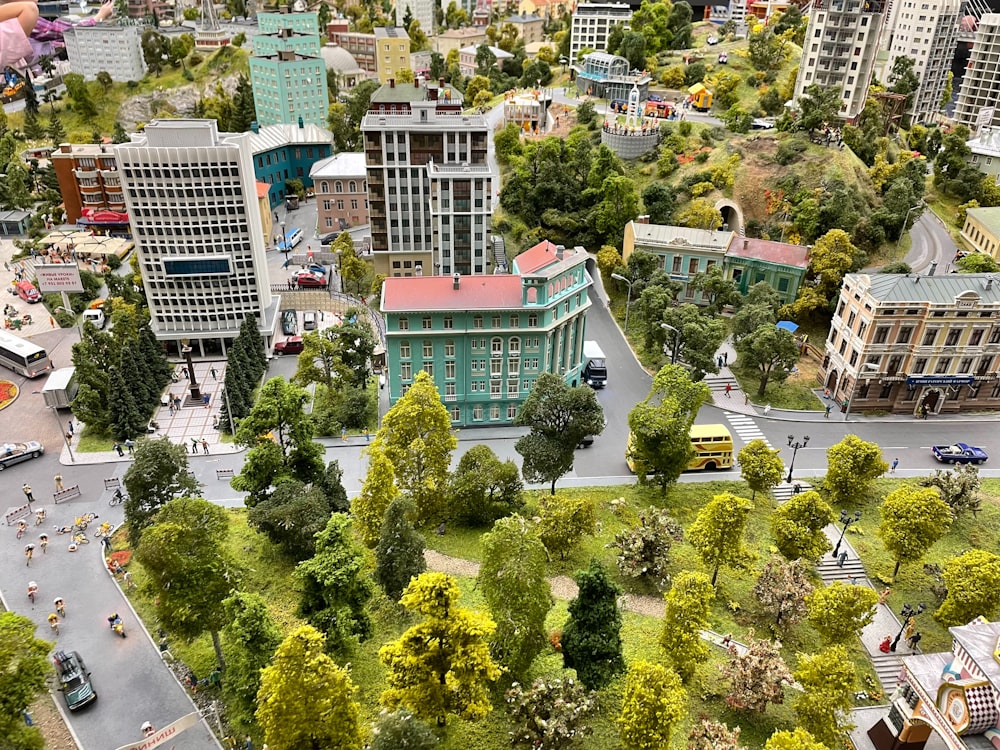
628, 300
673, 353
795, 449
847, 519
284, 245
906, 613
905, 219
854, 389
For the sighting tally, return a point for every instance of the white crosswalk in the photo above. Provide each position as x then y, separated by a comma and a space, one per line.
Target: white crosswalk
746, 428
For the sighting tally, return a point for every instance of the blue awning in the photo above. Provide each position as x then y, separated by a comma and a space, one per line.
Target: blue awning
788, 325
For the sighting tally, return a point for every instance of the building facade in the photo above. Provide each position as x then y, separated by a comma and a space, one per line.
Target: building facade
609, 77
530, 28
840, 50
982, 230
985, 149
192, 197
287, 86
981, 82
304, 23
903, 343
88, 179
430, 182
392, 45
117, 50
592, 22
361, 47
420, 10
470, 36
926, 35
778, 264
341, 192
287, 152
486, 340
467, 59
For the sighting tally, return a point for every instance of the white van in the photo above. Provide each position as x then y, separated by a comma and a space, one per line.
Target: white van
95, 316
309, 321
294, 238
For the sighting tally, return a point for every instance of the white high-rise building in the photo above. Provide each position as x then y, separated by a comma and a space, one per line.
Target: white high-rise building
924, 32
421, 10
592, 22
981, 83
116, 50
191, 195
840, 50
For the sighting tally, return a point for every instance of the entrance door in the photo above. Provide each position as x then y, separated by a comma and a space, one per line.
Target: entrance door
932, 401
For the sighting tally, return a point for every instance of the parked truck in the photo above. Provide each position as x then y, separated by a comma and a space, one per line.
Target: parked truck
60, 389
595, 367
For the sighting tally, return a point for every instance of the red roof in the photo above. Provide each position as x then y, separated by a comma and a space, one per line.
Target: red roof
431, 293
770, 251
537, 257
262, 189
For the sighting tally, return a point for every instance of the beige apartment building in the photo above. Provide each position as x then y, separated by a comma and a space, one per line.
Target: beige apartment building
902, 342
982, 230
392, 55
341, 192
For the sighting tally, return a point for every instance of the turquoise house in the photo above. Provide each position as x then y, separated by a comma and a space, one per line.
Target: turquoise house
287, 152
486, 339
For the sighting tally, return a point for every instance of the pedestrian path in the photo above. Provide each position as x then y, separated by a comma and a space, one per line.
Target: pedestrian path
746, 428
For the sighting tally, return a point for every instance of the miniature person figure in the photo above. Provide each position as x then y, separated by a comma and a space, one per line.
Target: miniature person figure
884, 596
908, 632
886, 645
913, 640
59, 482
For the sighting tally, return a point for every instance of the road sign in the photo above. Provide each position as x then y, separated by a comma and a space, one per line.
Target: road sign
168, 732
985, 116
58, 277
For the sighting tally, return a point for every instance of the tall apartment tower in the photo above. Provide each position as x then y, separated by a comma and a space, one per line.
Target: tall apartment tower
431, 181
115, 49
592, 22
192, 198
840, 49
981, 84
421, 10
926, 33
287, 73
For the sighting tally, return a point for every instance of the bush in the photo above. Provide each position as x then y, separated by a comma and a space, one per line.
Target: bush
685, 128
694, 73
114, 262
550, 714
702, 157
789, 150
195, 59
401, 730
673, 77
667, 163
676, 142
643, 549
187, 75
701, 188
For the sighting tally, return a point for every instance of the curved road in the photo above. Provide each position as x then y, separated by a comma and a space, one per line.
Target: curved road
930, 242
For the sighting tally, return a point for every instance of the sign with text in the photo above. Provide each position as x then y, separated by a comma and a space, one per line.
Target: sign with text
168, 732
58, 277
941, 380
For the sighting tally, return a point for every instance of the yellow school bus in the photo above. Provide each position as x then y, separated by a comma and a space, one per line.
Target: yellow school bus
713, 448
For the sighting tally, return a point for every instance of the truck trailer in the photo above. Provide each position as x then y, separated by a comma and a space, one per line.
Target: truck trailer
60, 388
595, 368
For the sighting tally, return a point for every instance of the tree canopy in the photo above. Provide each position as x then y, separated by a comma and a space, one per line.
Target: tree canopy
686, 614
24, 664
913, 520
591, 639
852, 466
717, 532
158, 474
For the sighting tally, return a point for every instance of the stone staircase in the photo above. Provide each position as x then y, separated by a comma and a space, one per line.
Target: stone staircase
887, 668
499, 252
829, 570
719, 382
784, 491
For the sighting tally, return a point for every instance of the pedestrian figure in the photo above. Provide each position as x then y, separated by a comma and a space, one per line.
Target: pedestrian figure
908, 631
70, 427
729, 390
68, 436
343, 433
215, 421
118, 448
29, 550
205, 400
27, 493
913, 640
204, 446
884, 596
718, 361
59, 482
177, 403
767, 410
826, 411
170, 408
885, 646
194, 445
725, 358
43, 541
746, 399
893, 465
213, 373
368, 437
148, 730
130, 444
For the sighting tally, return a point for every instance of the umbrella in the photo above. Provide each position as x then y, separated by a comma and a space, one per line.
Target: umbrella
788, 325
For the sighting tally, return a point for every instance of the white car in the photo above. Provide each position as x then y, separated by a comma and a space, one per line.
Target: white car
15, 453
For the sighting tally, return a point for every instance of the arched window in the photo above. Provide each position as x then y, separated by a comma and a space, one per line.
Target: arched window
338, 187
352, 187
324, 187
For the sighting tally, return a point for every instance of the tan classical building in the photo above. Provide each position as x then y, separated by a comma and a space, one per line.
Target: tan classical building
982, 230
456, 39
903, 342
341, 192
545, 8
531, 29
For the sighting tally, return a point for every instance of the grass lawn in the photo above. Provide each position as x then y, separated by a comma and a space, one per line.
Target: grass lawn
796, 392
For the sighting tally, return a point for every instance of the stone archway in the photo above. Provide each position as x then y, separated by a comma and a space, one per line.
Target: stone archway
933, 399
831, 381
732, 215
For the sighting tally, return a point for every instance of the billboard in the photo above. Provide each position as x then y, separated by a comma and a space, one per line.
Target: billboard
58, 277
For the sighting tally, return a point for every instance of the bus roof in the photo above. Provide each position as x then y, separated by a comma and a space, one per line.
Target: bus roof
709, 430
18, 344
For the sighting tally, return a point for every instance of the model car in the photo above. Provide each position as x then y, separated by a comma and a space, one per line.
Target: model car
291, 345
289, 322
74, 680
959, 453
306, 279
15, 453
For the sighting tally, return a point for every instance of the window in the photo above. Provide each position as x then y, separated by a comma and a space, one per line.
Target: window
449, 322
456, 413
965, 365
514, 366
881, 334
515, 321
429, 368
477, 413
953, 335
494, 389
995, 336
404, 324
449, 370
678, 260
919, 365
943, 365
512, 391
511, 412
404, 350
692, 266
929, 337
495, 411
449, 348
496, 346
533, 321
428, 349
496, 368
843, 347
851, 318
904, 335
477, 322
854, 357
495, 322
514, 346
405, 371
426, 323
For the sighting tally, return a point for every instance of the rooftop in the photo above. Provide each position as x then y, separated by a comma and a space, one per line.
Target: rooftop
542, 255
469, 31
397, 93
599, 8
263, 188
522, 19
940, 290
667, 236
276, 136
437, 293
391, 32
498, 53
987, 143
772, 252
344, 164
988, 217
981, 641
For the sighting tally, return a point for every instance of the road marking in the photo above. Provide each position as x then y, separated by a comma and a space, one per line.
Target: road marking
746, 428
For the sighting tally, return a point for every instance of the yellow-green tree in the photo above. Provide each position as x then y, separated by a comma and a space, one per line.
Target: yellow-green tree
353, 269
563, 521
417, 438
852, 466
442, 665
973, 581
760, 466
700, 214
798, 526
686, 614
378, 491
828, 680
797, 739
717, 532
24, 665
913, 519
839, 611
474, 86
653, 705
306, 701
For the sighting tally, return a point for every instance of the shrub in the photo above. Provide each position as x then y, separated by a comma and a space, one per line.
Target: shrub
673, 77
684, 128
701, 188
550, 714
789, 150
401, 730
643, 549
702, 157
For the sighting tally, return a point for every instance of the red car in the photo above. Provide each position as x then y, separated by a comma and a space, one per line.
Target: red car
306, 279
291, 345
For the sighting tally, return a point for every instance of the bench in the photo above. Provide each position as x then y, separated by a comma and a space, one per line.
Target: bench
16, 514
67, 494
112, 484
225, 473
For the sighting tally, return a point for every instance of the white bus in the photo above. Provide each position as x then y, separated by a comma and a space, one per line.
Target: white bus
22, 356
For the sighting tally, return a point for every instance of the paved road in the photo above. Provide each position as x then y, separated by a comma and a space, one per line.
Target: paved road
930, 242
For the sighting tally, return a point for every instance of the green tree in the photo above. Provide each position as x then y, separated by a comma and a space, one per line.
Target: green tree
767, 49
798, 526
475, 85
585, 113
563, 520
104, 78
401, 730
698, 336
442, 665
336, 585
15, 189
483, 488
550, 713
660, 425
291, 517
840, 611
619, 206
513, 582
717, 532
852, 466
188, 571
158, 474
659, 201
973, 581
643, 550
977, 263
761, 466
591, 639
24, 664
828, 681
91, 358
399, 556
155, 49
685, 616
903, 79
912, 521
757, 677
818, 106
377, 494
959, 488
737, 119
700, 214
653, 704
76, 87
306, 701
713, 735
126, 419
781, 591
417, 439
771, 351
796, 739
249, 640
559, 417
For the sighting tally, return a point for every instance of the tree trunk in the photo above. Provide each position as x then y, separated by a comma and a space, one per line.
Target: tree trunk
220, 660
552, 490
715, 574
896, 569
763, 385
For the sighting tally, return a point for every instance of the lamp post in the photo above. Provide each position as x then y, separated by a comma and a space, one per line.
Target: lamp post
905, 219
854, 388
673, 353
628, 299
284, 244
906, 613
847, 519
795, 445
